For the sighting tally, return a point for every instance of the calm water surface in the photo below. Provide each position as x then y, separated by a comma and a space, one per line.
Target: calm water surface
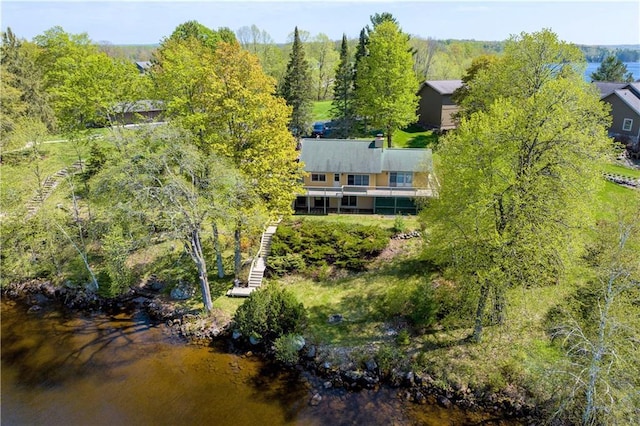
122, 370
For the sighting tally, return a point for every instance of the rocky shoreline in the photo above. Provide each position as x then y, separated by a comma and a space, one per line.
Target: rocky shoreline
318, 363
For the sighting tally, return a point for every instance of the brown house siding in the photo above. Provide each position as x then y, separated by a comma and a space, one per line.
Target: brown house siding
436, 109
430, 107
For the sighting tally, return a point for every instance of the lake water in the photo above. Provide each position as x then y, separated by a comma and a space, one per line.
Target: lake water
632, 67
123, 370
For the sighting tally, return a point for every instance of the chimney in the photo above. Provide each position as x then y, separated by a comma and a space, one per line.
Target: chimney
379, 142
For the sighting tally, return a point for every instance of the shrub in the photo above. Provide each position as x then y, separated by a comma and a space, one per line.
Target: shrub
399, 225
287, 347
387, 358
346, 246
403, 338
424, 306
269, 313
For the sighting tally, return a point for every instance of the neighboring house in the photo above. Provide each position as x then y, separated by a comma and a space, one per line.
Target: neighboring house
143, 66
436, 109
624, 99
143, 111
351, 176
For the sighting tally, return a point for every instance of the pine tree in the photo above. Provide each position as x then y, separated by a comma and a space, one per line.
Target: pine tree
342, 105
296, 88
361, 51
612, 69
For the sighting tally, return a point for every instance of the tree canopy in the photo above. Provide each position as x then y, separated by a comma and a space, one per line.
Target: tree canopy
612, 69
517, 176
386, 86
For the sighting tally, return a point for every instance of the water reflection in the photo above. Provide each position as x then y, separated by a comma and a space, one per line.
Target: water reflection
122, 370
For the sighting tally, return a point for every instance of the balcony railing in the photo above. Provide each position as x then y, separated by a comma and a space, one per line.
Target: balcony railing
366, 191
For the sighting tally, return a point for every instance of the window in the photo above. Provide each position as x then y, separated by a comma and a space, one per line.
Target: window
358, 180
401, 179
336, 177
627, 124
349, 201
317, 177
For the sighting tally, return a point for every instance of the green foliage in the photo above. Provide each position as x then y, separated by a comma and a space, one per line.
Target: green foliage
116, 250
597, 327
387, 357
206, 36
612, 69
287, 348
403, 338
83, 83
296, 88
512, 218
386, 85
399, 225
343, 93
316, 244
270, 312
424, 305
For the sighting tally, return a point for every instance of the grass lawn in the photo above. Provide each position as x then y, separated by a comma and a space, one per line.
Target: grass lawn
20, 171
414, 137
621, 170
321, 110
386, 222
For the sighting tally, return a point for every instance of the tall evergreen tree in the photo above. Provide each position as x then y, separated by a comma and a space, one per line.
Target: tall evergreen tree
612, 69
361, 51
296, 88
342, 105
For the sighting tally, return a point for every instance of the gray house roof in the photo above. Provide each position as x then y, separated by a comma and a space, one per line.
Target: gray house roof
143, 65
352, 156
444, 87
630, 98
607, 88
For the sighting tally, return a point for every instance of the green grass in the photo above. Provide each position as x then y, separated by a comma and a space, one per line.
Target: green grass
621, 170
360, 299
414, 137
321, 111
20, 171
386, 222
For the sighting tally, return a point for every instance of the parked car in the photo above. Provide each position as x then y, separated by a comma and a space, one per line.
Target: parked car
319, 129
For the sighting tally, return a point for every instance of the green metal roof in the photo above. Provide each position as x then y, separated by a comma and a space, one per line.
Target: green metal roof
354, 156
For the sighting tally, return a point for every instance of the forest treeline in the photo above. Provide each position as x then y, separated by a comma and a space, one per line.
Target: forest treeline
434, 59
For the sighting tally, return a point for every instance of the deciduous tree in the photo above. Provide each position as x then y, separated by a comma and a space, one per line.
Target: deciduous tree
517, 177
386, 85
597, 326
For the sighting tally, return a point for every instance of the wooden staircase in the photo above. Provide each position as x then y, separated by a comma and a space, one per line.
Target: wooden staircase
258, 265
48, 186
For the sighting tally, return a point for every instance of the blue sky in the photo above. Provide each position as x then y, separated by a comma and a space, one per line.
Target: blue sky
147, 22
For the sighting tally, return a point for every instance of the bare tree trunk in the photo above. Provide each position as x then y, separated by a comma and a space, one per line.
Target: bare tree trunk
237, 255
83, 256
498, 306
195, 250
482, 302
216, 247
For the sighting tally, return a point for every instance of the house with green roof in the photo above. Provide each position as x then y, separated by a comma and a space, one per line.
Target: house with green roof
355, 176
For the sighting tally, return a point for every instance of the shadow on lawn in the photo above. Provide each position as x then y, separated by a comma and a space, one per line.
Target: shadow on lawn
422, 139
